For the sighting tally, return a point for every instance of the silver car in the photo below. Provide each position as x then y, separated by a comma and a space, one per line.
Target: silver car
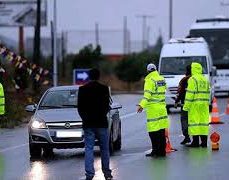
57, 124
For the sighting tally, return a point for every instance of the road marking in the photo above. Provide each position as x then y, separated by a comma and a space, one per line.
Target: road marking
123, 117
13, 147
25, 144
223, 114
128, 115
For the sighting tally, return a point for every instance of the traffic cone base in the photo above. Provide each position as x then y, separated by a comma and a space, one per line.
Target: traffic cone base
168, 147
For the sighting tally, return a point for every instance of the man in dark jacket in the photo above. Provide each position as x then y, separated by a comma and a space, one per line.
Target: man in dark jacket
180, 98
93, 106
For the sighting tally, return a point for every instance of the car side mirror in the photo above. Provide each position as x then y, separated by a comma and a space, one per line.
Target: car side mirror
213, 71
31, 108
116, 106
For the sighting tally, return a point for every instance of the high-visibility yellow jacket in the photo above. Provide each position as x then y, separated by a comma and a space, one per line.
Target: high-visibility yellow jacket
197, 102
2, 100
1, 166
154, 102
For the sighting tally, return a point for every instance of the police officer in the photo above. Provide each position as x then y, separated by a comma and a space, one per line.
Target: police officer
197, 104
2, 100
180, 98
154, 103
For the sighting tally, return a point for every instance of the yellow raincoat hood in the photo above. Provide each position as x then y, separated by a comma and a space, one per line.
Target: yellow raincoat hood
196, 68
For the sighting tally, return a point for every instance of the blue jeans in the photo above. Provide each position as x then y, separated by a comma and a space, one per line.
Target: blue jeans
90, 134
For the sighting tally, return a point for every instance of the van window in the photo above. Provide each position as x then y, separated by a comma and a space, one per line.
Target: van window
177, 65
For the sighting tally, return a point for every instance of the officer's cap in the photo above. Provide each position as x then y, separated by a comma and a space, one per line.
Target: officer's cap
151, 67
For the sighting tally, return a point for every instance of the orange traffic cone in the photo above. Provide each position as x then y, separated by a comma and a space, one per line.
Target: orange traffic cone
227, 108
168, 147
215, 119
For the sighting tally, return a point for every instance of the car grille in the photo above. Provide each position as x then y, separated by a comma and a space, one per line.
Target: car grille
55, 126
64, 125
173, 90
55, 139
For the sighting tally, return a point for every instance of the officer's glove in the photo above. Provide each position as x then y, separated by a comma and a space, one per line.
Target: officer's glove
176, 105
139, 109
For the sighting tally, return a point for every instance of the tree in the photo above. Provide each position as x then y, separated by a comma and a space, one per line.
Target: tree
129, 69
133, 67
158, 45
88, 57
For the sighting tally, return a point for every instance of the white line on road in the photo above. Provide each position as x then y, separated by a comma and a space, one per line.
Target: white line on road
128, 115
13, 147
223, 114
25, 144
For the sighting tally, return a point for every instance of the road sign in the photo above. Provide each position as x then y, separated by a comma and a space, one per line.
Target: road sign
21, 13
80, 76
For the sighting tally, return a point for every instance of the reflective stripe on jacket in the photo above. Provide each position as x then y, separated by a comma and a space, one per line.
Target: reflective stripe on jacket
154, 102
197, 102
2, 100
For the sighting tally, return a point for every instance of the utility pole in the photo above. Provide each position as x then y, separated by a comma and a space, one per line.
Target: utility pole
170, 19
36, 46
144, 29
21, 41
148, 35
63, 52
97, 34
54, 45
125, 38
224, 4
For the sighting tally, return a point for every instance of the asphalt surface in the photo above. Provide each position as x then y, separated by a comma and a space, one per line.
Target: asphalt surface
128, 164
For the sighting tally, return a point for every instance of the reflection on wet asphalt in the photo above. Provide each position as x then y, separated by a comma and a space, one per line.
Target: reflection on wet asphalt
129, 163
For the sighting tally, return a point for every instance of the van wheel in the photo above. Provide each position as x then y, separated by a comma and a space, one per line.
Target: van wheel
48, 151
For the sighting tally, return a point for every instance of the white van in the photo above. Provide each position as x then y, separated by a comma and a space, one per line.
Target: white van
176, 55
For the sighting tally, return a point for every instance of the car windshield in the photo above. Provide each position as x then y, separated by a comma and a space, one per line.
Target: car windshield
177, 65
59, 99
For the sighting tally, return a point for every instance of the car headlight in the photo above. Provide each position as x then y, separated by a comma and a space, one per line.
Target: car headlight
38, 124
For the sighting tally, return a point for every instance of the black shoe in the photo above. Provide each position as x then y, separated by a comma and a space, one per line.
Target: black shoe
150, 154
186, 140
161, 155
109, 177
89, 178
193, 145
203, 145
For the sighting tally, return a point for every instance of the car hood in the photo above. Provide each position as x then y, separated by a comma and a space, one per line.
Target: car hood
58, 115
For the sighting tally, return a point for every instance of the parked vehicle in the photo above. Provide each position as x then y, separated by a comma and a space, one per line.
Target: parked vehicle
216, 32
176, 55
57, 124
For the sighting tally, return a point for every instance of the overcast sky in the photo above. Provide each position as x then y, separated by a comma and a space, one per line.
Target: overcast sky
82, 15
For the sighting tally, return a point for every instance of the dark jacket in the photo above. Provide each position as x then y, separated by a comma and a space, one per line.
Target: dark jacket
183, 84
93, 105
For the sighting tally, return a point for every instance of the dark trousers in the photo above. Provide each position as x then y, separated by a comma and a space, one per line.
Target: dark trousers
184, 122
203, 139
158, 142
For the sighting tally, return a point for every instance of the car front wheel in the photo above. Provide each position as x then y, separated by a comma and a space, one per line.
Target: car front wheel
48, 151
35, 150
118, 142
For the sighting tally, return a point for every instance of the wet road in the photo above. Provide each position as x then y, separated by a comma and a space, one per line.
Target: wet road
128, 164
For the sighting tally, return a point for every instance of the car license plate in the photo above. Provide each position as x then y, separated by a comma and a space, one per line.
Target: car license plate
68, 134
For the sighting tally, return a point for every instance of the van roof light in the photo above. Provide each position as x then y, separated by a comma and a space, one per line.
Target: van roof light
186, 40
